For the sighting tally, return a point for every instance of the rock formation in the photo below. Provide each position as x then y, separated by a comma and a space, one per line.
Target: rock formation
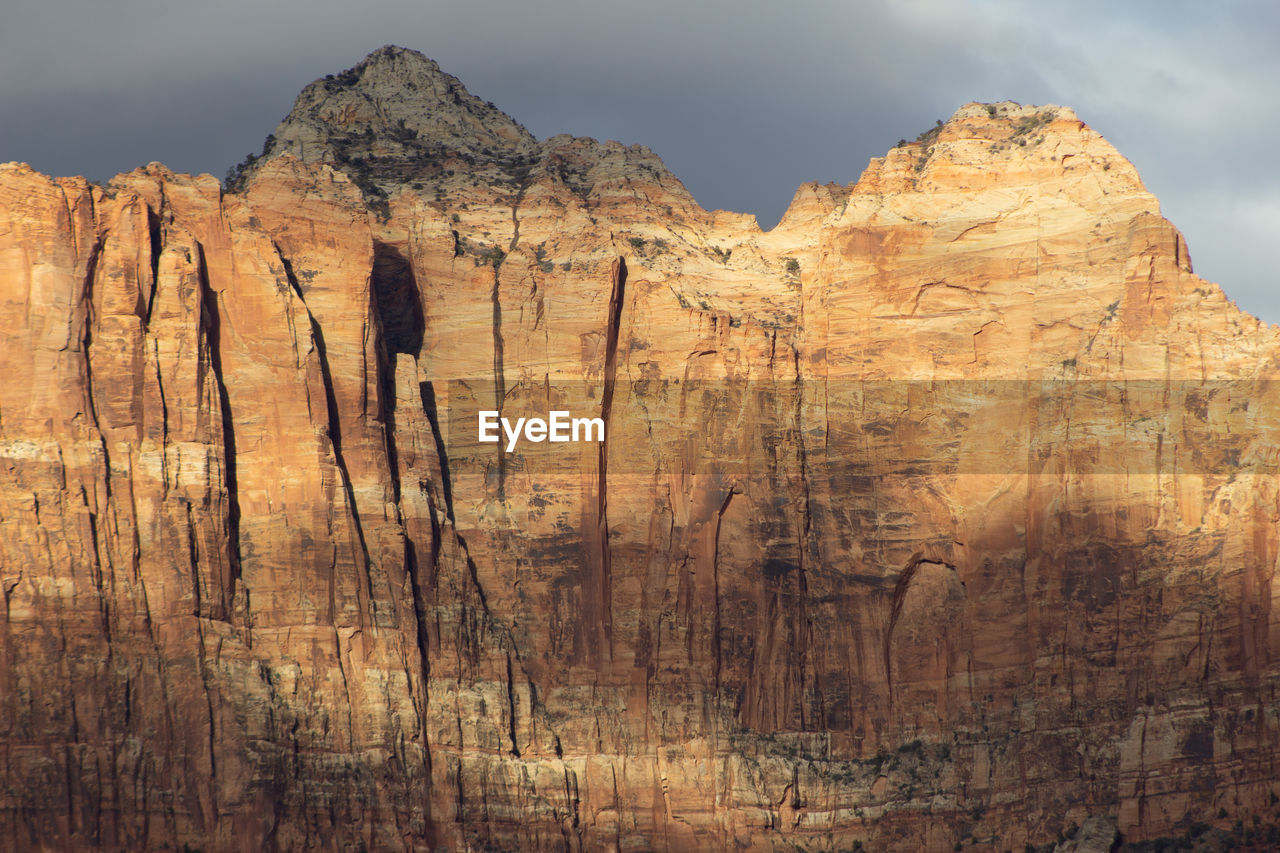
941, 516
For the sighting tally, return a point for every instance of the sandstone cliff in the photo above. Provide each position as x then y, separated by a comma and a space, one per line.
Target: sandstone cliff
944, 513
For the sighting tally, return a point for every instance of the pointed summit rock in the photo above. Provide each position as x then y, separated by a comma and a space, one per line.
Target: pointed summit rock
396, 120
395, 103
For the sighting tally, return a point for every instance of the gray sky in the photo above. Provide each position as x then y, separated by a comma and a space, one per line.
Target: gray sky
743, 100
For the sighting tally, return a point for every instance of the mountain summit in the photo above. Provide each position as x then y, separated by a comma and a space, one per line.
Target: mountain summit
396, 103
397, 120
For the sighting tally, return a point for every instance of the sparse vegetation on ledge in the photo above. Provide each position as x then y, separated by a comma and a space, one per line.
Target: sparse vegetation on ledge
238, 175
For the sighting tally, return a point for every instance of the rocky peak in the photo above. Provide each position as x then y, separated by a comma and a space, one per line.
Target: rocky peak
399, 97
396, 120
393, 118
999, 158
394, 99
1019, 142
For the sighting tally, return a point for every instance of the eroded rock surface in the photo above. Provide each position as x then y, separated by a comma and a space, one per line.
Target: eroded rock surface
943, 513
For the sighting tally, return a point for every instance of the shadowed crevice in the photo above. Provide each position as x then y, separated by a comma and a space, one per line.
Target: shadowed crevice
396, 311
598, 595
211, 322
396, 301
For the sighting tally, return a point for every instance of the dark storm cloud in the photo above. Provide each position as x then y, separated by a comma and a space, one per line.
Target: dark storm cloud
744, 101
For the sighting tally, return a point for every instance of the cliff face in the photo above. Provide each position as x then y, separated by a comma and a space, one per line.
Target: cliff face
944, 512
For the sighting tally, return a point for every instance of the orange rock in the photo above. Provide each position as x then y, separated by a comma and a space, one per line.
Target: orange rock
941, 513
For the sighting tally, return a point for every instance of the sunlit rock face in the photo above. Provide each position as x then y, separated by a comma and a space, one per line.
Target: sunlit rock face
943, 513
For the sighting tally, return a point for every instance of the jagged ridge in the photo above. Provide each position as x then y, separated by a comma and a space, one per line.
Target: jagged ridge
396, 120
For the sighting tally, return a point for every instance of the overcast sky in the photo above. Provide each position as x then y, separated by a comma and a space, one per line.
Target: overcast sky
743, 100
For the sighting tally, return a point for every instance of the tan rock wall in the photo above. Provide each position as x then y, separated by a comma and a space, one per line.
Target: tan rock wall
959, 528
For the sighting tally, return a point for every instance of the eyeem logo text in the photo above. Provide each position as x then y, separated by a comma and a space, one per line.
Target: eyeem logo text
558, 427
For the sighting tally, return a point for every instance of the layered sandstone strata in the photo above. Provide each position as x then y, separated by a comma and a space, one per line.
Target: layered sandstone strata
944, 512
